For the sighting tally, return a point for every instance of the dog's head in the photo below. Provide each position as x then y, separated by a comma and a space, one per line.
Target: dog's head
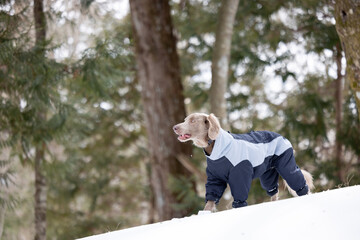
199, 128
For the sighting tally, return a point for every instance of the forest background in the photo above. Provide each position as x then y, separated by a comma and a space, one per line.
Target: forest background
82, 82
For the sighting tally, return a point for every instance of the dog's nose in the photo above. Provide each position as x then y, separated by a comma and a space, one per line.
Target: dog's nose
175, 128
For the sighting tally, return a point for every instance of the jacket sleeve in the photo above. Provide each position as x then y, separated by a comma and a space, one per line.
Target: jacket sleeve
240, 179
215, 187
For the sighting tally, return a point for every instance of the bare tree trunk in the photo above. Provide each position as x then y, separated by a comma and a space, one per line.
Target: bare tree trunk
158, 72
40, 181
220, 69
221, 59
338, 120
40, 23
347, 15
2, 218
40, 195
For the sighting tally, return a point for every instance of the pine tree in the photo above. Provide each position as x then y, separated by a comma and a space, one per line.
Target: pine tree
30, 108
105, 153
40, 180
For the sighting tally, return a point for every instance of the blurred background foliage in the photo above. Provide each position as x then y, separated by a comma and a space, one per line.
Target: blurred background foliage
283, 68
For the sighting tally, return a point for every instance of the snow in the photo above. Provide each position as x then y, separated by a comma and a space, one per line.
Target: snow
332, 214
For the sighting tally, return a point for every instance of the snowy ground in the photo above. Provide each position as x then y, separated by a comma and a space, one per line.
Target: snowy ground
333, 214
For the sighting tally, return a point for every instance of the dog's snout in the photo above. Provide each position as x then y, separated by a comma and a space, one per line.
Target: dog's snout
175, 128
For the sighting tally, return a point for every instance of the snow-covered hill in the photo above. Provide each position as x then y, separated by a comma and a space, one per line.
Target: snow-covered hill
333, 214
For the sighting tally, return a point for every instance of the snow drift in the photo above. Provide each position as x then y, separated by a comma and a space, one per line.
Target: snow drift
333, 214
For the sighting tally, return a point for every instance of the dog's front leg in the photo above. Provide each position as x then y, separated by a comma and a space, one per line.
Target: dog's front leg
275, 197
210, 206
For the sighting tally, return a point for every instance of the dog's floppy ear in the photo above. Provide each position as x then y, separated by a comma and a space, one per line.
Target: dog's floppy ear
214, 126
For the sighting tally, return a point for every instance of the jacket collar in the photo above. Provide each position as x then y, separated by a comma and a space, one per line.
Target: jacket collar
221, 146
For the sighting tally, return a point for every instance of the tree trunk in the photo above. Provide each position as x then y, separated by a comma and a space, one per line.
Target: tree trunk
2, 218
220, 69
40, 181
158, 72
221, 59
338, 120
40, 195
347, 15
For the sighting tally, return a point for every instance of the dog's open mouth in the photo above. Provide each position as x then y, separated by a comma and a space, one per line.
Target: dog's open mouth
184, 137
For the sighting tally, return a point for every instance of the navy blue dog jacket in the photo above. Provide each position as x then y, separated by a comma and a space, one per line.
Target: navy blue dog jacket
236, 159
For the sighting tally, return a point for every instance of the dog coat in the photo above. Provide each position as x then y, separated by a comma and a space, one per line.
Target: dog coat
236, 159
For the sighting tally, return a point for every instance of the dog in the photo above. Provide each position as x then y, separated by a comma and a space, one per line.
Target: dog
237, 159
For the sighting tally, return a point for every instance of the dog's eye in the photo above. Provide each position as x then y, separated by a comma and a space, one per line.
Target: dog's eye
206, 121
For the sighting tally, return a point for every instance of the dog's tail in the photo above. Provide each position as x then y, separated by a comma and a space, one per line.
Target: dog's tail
309, 181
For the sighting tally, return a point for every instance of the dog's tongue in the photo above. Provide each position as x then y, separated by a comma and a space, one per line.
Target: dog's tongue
185, 136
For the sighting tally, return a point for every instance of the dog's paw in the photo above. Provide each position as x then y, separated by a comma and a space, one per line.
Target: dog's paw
204, 212
210, 206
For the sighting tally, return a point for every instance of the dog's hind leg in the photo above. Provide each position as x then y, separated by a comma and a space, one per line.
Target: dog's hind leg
308, 179
292, 174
